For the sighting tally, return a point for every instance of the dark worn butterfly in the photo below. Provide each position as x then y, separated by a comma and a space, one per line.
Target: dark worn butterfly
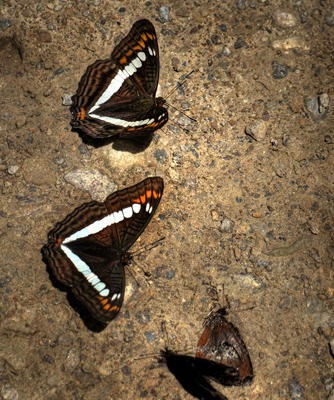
117, 95
221, 345
192, 380
87, 251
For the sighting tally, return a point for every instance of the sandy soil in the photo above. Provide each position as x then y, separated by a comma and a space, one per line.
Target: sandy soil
248, 201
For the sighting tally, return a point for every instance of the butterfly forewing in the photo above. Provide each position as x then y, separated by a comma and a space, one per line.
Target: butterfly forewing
144, 198
141, 39
88, 248
117, 96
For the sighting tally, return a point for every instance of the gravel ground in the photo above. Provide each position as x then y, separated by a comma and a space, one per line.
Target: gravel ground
247, 209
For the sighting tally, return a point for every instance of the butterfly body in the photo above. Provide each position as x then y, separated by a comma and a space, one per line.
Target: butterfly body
87, 251
117, 95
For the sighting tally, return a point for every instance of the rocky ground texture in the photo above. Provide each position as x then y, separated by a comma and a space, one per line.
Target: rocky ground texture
247, 209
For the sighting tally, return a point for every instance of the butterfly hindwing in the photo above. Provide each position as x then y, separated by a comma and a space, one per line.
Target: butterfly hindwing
222, 344
117, 95
88, 249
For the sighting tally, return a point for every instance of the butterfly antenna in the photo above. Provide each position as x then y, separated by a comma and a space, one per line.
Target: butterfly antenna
178, 85
169, 105
150, 246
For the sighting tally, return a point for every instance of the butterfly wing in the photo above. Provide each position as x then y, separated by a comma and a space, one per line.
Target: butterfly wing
86, 250
116, 96
138, 54
140, 203
222, 344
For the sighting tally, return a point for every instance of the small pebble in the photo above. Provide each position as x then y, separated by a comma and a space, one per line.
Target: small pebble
304, 16
20, 122
240, 42
164, 13
215, 215
5, 24
8, 392
226, 225
72, 360
12, 169
257, 215
318, 106
241, 4
284, 19
329, 18
257, 131
279, 70
59, 161
226, 51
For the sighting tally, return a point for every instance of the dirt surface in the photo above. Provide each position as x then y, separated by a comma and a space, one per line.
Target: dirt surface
248, 201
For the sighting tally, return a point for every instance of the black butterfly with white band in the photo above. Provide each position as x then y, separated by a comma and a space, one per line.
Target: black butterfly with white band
87, 251
117, 95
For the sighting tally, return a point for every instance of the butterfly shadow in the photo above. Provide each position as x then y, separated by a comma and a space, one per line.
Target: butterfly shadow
133, 145
190, 377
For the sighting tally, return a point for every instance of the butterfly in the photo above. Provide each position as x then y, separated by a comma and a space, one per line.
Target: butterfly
116, 96
221, 345
87, 251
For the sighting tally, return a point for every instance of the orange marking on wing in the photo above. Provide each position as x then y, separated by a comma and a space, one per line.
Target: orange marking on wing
144, 37
82, 114
123, 60
104, 302
150, 36
143, 199
107, 307
58, 241
141, 43
136, 200
115, 308
149, 194
155, 194
129, 53
132, 129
